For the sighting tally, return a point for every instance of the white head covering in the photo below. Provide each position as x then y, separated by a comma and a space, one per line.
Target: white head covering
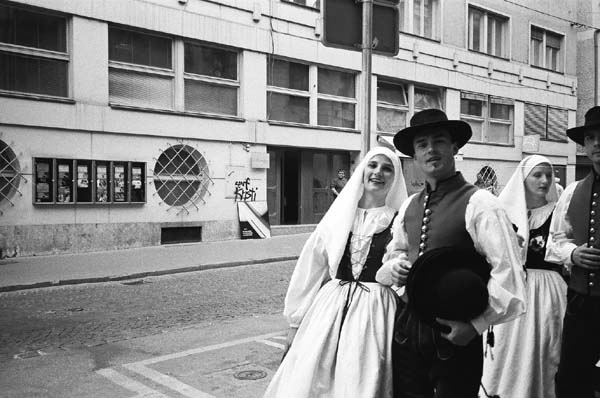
336, 224
513, 197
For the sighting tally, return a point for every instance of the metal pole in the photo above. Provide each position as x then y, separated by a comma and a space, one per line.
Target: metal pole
367, 50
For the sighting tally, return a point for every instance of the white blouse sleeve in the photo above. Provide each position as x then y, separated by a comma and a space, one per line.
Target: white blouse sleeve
396, 251
493, 235
561, 243
311, 272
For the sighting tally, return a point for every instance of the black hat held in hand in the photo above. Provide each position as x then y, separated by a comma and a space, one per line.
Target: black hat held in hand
448, 283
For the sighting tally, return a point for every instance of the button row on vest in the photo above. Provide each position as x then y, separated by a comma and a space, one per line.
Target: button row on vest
595, 195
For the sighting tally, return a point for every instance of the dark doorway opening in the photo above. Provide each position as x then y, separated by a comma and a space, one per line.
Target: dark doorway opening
290, 187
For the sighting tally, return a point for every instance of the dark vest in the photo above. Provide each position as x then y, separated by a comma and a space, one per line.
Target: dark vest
437, 218
583, 212
536, 248
373, 262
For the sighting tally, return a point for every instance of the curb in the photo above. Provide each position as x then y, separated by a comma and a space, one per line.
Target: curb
136, 275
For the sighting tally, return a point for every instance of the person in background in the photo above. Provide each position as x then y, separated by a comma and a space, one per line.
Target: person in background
448, 212
341, 320
576, 246
339, 183
524, 359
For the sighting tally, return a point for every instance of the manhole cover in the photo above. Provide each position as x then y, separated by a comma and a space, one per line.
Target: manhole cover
250, 375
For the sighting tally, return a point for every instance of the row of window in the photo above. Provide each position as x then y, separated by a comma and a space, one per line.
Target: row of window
142, 73
488, 31
88, 181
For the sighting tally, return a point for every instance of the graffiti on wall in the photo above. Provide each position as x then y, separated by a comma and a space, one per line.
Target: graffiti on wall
244, 191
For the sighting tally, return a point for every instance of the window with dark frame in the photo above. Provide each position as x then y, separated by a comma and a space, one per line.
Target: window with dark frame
289, 98
488, 32
211, 79
140, 69
491, 118
72, 181
546, 49
421, 18
396, 99
34, 56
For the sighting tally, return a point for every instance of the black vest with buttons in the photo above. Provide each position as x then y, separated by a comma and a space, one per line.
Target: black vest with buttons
584, 211
373, 262
437, 218
584, 215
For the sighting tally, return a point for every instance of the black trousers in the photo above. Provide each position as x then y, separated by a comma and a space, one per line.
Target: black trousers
426, 365
577, 373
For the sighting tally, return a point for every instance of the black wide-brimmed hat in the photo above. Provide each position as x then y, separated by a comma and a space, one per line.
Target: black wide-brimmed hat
428, 120
592, 121
448, 283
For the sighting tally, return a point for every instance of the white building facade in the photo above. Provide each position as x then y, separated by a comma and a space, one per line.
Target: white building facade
128, 123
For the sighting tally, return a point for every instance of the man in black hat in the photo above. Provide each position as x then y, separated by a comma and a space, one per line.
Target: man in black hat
576, 245
445, 359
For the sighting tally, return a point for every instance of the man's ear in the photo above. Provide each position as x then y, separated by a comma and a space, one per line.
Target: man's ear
455, 148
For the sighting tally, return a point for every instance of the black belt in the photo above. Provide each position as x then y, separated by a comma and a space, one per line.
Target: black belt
585, 281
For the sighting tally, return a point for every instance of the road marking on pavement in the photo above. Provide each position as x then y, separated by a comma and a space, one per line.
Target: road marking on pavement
168, 381
282, 337
200, 350
130, 384
272, 344
172, 383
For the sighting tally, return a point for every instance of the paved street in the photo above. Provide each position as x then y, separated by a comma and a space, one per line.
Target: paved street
88, 315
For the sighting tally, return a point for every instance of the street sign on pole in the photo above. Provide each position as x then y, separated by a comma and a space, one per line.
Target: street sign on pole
367, 26
343, 25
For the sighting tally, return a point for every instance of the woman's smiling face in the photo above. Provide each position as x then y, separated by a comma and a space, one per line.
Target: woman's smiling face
379, 175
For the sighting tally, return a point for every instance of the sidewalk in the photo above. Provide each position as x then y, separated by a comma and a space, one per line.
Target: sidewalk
30, 272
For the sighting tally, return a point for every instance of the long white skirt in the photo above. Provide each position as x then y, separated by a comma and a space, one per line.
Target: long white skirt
524, 359
352, 361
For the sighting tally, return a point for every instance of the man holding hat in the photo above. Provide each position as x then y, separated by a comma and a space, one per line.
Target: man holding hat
576, 245
434, 228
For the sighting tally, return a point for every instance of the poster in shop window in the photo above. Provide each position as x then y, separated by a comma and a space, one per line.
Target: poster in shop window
101, 184
137, 193
64, 183
119, 184
42, 187
82, 176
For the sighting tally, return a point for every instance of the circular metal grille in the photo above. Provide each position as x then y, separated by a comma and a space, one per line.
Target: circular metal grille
181, 175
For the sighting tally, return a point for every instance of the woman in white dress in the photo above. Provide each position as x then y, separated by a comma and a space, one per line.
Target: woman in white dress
341, 320
524, 359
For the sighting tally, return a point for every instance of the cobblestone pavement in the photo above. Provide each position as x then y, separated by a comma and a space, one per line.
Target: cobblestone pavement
93, 314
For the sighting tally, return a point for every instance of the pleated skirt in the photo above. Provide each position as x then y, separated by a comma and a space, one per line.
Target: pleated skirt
525, 357
331, 359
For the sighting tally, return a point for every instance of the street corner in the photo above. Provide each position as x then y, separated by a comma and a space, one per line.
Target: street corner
236, 368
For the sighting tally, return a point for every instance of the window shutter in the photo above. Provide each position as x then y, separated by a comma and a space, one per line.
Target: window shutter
535, 120
557, 124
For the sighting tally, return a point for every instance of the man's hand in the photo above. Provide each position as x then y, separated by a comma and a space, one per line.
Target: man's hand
461, 333
289, 339
393, 272
586, 257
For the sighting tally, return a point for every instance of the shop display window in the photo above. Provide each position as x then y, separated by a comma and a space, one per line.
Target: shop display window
64, 181
44, 184
138, 188
120, 182
70, 181
83, 181
102, 185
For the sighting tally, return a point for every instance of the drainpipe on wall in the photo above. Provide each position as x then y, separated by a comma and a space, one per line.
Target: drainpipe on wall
596, 34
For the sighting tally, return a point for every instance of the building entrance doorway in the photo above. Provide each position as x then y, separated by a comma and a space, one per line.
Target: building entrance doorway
299, 183
290, 187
